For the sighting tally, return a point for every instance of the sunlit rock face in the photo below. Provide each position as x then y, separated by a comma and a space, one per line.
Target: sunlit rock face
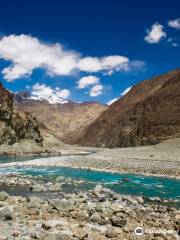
147, 114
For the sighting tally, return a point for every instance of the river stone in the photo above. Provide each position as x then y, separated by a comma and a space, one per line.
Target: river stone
95, 217
81, 215
116, 208
97, 236
2, 203
37, 188
154, 199
97, 190
111, 233
90, 207
3, 195
56, 237
140, 199
99, 207
46, 225
118, 221
117, 197
35, 199
63, 206
80, 233
97, 228
5, 213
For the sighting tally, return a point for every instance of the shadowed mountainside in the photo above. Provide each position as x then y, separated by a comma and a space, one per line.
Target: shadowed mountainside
15, 126
147, 114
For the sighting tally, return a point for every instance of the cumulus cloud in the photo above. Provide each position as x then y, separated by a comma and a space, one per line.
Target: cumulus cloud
96, 90
174, 23
155, 34
126, 91
112, 101
86, 81
44, 92
27, 53
107, 64
90, 64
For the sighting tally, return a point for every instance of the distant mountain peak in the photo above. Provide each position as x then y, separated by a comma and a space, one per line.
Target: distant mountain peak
25, 95
64, 119
50, 99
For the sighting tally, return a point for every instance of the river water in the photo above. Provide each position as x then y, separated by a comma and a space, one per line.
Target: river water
147, 186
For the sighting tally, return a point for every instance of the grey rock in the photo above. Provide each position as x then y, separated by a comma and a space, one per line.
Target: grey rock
63, 206
154, 199
116, 207
80, 233
95, 218
111, 233
118, 221
5, 213
97, 190
140, 199
3, 195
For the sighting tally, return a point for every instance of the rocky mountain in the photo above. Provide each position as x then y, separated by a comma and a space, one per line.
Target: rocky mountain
14, 125
147, 114
66, 121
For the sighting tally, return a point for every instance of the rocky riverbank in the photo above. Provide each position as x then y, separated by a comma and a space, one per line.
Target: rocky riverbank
158, 160
97, 214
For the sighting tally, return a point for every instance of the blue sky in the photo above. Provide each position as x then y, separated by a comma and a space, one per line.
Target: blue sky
111, 45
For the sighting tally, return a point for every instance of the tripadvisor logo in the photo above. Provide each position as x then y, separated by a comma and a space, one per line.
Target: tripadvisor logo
139, 231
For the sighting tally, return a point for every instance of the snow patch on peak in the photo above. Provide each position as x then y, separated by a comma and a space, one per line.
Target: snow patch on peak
42, 92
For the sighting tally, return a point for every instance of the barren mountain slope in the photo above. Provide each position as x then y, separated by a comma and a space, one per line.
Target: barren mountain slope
147, 114
67, 121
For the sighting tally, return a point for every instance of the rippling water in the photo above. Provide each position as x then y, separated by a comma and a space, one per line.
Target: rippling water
122, 183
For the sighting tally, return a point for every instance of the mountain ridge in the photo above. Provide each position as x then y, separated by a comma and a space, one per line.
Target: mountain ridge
136, 118
66, 121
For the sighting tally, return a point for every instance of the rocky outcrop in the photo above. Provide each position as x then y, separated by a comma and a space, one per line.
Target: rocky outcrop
15, 126
147, 114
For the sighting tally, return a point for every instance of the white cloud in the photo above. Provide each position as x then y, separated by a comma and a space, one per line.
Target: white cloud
107, 64
86, 81
64, 93
90, 64
126, 91
96, 90
112, 101
155, 34
174, 23
27, 53
44, 92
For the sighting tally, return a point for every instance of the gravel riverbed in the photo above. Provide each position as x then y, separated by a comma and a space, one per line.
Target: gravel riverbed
97, 214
